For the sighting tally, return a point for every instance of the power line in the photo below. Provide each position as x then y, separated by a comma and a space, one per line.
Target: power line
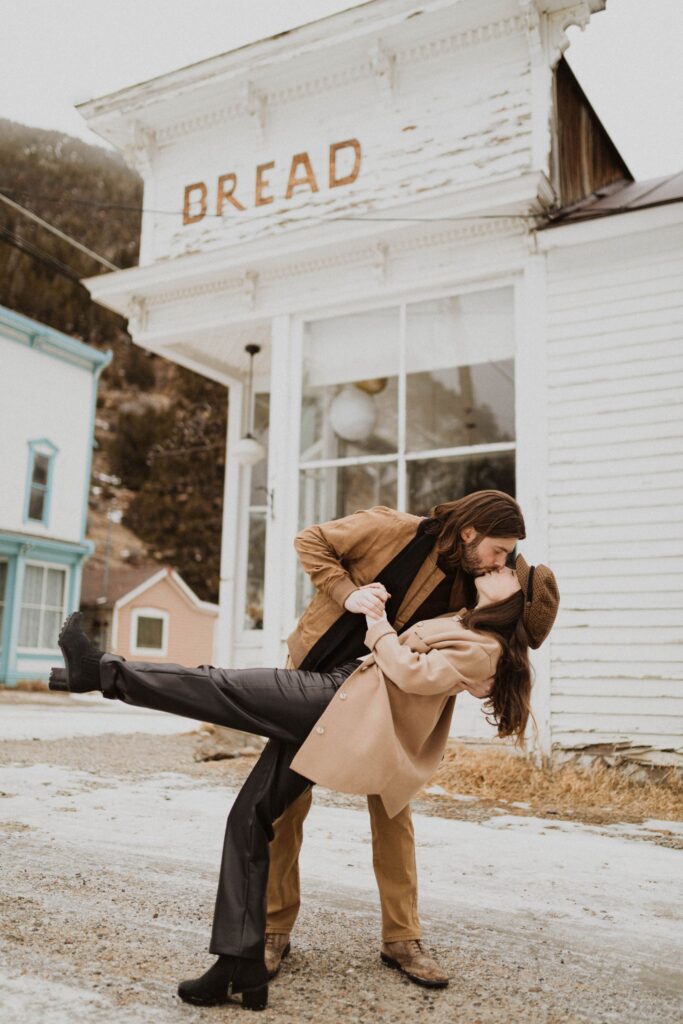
123, 207
37, 254
55, 231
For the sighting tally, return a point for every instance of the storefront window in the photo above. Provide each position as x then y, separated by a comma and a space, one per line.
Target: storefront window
350, 386
431, 481
407, 406
460, 374
258, 512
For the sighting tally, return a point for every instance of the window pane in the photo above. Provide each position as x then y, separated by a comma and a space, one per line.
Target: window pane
33, 585
29, 626
350, 386
54, 596
431, 481
150, 632
332, 493
259, 472
253, 612
36, 504
50, 629
460, 371
41, 465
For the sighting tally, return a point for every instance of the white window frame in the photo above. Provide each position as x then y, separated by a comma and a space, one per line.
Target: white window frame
246, 636
401, 457
44, 565
149, 613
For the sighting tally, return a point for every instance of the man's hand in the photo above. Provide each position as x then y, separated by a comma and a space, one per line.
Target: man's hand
369, 600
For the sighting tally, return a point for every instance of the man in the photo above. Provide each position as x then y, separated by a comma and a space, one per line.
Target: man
416, 569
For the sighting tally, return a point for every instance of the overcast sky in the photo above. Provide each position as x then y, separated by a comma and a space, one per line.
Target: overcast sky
56, 53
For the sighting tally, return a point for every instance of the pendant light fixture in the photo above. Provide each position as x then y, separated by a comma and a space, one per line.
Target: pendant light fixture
248, 451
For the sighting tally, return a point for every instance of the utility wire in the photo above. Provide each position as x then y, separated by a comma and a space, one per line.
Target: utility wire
553, 216
35, 253
55, 231
122, 207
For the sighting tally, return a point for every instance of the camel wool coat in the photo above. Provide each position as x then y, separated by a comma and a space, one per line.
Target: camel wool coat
386, 728
344, 554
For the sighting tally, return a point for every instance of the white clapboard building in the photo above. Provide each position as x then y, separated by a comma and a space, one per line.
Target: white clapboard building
48, 391
414, 215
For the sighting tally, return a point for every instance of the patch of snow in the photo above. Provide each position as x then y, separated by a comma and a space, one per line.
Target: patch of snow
81, 718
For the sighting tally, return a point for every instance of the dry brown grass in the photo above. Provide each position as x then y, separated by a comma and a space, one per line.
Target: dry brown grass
31, 686
598, 792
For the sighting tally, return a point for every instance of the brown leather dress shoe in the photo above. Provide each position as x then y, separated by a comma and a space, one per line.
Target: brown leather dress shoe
412, 959
277, 950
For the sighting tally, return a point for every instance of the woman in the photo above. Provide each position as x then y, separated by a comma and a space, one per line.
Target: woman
375, 726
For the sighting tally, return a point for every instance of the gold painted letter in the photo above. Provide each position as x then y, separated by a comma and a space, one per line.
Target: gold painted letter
308, 178
261, 183
355, 170
227, 193
200, 187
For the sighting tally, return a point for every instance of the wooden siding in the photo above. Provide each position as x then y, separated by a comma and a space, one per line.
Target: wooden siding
583, 158
615, 489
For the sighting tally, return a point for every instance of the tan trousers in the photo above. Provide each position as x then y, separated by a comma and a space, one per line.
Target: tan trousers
393, 858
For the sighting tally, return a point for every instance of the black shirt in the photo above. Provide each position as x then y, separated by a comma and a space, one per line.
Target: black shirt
345, 639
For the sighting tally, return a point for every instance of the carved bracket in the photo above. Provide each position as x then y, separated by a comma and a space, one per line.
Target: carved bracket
256, 105
383, 66
380, 262
142, 150
548, 29
249, 285
137, 315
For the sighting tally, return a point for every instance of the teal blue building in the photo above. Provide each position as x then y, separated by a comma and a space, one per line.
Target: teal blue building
48, 396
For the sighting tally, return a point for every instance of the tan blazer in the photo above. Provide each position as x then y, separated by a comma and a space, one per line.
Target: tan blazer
344, 554
386, 728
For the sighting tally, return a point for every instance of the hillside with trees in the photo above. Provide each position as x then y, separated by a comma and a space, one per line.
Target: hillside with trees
160, 430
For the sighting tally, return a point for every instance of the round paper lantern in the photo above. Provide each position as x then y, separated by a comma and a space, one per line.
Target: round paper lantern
248, 451
353, 414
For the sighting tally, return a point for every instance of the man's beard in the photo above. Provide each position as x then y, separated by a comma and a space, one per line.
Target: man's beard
470, 560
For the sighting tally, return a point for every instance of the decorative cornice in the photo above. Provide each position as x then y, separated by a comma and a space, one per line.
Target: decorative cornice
377, 257
380, 63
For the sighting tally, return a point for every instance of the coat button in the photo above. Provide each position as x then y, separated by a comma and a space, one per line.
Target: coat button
343, 696
319, 730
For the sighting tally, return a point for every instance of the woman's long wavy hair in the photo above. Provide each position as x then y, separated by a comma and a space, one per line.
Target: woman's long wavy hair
508, 705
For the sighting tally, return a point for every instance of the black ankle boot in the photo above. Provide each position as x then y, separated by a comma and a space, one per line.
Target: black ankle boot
81, 657
229, 976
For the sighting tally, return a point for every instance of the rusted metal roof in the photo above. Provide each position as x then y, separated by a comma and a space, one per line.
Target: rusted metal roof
622, 197
119, 583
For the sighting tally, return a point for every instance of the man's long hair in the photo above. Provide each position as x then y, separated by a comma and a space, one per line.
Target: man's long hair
509, 702
491, 513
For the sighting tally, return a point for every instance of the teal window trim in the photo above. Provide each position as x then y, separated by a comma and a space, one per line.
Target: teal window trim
18, 549
5, 573
31, 333
91, 445
40, 446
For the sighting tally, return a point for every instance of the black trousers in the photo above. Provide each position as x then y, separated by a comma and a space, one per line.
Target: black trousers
281, 704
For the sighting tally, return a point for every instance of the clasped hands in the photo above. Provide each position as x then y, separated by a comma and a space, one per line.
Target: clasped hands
369, 601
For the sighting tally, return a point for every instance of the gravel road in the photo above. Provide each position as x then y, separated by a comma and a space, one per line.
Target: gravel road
110, 847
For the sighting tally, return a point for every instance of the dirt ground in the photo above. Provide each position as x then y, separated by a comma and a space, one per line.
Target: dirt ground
110, 847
